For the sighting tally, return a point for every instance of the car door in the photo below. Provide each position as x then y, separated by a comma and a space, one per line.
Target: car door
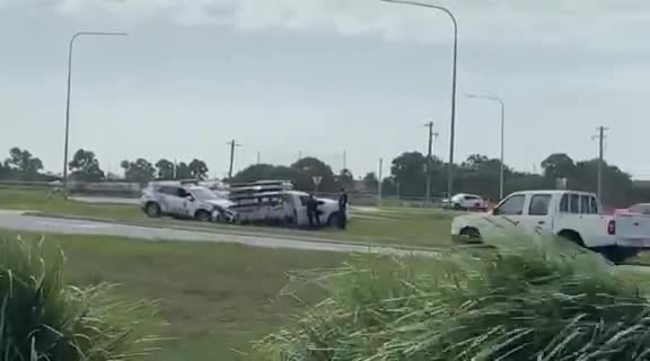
538, 215
184, 202
165, 196
173, 201
592, 225
511, 209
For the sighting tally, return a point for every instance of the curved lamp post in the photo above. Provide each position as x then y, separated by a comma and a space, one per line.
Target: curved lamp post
67, 104
452, 132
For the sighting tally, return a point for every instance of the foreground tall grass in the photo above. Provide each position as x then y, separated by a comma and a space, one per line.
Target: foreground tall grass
532, 304
42, 318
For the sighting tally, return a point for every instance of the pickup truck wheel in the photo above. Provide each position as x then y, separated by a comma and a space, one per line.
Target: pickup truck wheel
572, 236
470, 234
618, 255
152, 210
203, 216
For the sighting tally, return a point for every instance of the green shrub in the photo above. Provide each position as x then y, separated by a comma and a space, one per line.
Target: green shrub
42, 318
532, 304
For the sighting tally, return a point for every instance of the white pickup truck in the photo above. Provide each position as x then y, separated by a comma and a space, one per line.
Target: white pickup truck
573, 215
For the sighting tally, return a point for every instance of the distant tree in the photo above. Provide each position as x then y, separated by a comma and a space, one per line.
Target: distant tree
183, 171
480, 175
389, 186
258, 172
558, 165
23, 163
371, 182
5, 171
617, 185
165, 169
311, 167
198, 169
140, 171
84, 166
345, 179
408, 171
474, 161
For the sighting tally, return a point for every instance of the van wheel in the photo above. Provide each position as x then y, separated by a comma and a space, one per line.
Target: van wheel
470, 235
333, 220
203, 216
152, 210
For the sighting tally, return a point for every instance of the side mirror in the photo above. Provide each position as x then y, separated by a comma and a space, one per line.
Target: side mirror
189, 197
495, 212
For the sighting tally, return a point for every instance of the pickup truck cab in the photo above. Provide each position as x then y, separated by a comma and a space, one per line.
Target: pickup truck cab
573, 215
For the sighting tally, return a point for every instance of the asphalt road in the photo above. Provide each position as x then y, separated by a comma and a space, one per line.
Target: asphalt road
109, 200
16, 220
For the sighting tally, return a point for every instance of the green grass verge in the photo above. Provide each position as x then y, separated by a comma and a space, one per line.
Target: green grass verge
389, 226
215, 298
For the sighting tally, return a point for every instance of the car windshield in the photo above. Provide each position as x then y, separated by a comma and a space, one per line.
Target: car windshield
203, 194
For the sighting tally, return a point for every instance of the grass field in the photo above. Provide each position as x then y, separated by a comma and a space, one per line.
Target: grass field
215, 298
405, 226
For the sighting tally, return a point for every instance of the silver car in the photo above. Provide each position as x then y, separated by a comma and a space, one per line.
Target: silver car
185, 201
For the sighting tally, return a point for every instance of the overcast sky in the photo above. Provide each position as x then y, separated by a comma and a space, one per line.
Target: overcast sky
322, 77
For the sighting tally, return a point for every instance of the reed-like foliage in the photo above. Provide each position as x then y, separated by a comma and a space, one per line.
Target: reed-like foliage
538, 303
42, 318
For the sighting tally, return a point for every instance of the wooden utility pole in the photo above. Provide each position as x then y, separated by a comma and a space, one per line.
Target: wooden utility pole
379, 180
601, 139
427, 196
232, 145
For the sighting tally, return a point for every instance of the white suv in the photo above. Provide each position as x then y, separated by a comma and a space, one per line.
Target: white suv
185, 201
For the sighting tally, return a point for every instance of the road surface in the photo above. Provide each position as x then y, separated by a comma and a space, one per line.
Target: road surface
17, 220
110, 200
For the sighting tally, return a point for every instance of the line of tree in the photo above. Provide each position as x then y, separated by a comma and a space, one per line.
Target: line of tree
480, 175
477, 174
302, 173
85, 167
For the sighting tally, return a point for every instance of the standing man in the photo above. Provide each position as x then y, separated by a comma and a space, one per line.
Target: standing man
312, 207
343, 207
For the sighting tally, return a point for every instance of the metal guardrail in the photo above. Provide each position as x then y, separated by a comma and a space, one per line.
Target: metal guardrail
134, 190
121, 189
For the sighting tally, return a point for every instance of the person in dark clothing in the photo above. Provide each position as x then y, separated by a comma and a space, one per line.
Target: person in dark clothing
312, 211
343, 207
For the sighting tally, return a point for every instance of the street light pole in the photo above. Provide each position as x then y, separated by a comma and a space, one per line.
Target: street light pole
67, 103
503, 116
452, 131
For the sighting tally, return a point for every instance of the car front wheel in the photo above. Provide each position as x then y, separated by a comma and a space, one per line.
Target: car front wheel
203, 216
152, 210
